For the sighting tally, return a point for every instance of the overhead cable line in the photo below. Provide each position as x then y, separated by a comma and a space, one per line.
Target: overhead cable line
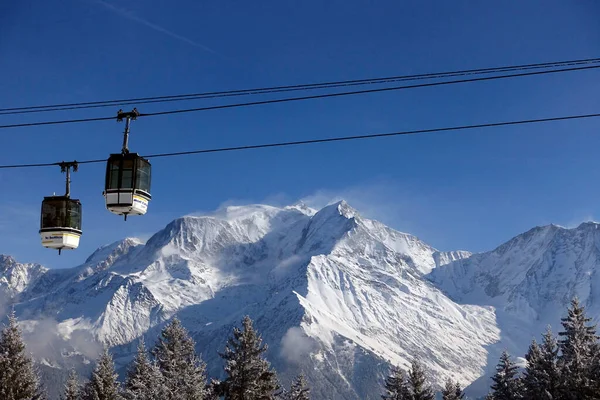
288, 88
290, 99
326, 140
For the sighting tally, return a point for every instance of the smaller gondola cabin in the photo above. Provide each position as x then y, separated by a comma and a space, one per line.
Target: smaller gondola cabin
127, 187
60, 225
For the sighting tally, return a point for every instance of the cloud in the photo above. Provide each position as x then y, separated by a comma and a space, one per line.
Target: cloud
381, 200
46, 338
576, 221
296, 345
133, 17
283, 267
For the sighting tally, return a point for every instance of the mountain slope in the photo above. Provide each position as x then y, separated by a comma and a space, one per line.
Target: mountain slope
334, 294
530, 281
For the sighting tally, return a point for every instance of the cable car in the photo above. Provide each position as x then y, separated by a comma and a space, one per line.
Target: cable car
128, 176
127, 187
60, 221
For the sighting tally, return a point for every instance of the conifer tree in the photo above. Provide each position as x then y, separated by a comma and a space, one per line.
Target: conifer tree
184, 373
541, 378
417, 383
507, 385
452, 391
72, 387
103, 384
144, 380
396, 386
299, 389
249, 376
18, 378
577, 347
534, 379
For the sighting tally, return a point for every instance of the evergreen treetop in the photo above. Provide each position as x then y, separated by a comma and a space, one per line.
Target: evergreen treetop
103, 384
249, 376
18, 377
299, 389
452, 391
578, 348
144, 380
72, 387
506, 384
396, 386
184, 373
417, 382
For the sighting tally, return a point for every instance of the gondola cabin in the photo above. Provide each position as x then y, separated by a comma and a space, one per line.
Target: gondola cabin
60, 225
127, 188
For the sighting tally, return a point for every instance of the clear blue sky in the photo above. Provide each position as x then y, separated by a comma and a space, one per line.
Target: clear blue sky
463, 190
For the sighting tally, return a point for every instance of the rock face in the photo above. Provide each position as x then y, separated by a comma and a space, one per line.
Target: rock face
334, 294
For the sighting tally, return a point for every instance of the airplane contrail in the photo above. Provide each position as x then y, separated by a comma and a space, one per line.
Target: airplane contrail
131, 16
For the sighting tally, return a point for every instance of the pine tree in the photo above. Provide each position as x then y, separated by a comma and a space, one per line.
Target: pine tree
534, 379
103, 384
184, 373
249, 376
144, 380
72, 388
507, 385
541, 378
299, 389
417, 383
595, 370
452, 391
18, 378
396, 386
577, 347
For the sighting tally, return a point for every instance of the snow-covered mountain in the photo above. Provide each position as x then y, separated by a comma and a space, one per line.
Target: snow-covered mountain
529, 281
334, 294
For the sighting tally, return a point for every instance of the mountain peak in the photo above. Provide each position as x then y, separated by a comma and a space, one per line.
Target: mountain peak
302, 207
6, 262
120, 246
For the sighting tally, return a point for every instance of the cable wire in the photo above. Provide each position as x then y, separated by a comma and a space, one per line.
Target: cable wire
288, 88
326, 140
290, 99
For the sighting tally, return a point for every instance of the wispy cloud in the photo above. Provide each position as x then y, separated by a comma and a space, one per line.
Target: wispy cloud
133, 17
381, 200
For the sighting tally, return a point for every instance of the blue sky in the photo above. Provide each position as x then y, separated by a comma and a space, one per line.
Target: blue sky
462, 190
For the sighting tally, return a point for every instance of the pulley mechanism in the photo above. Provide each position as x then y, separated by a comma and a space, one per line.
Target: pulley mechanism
60, 222
128, 176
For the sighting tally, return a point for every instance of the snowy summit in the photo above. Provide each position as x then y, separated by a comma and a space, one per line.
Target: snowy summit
337, 296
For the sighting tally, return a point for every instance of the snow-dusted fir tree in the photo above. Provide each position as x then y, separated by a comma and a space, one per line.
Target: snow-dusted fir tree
578, 346
396, 386
183, 371
144, 380
299, 389
549, 364
72, 388
417, 383
452, 391
507, 385
541, 378
534, 380
18, 377
103, 383
249, 375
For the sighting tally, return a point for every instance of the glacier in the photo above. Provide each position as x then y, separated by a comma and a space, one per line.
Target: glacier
334, 294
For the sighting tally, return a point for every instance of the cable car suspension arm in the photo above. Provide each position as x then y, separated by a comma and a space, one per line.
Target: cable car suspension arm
66, 166
128, 116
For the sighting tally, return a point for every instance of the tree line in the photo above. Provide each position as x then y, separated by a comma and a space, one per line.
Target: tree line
566, 367
171, 370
